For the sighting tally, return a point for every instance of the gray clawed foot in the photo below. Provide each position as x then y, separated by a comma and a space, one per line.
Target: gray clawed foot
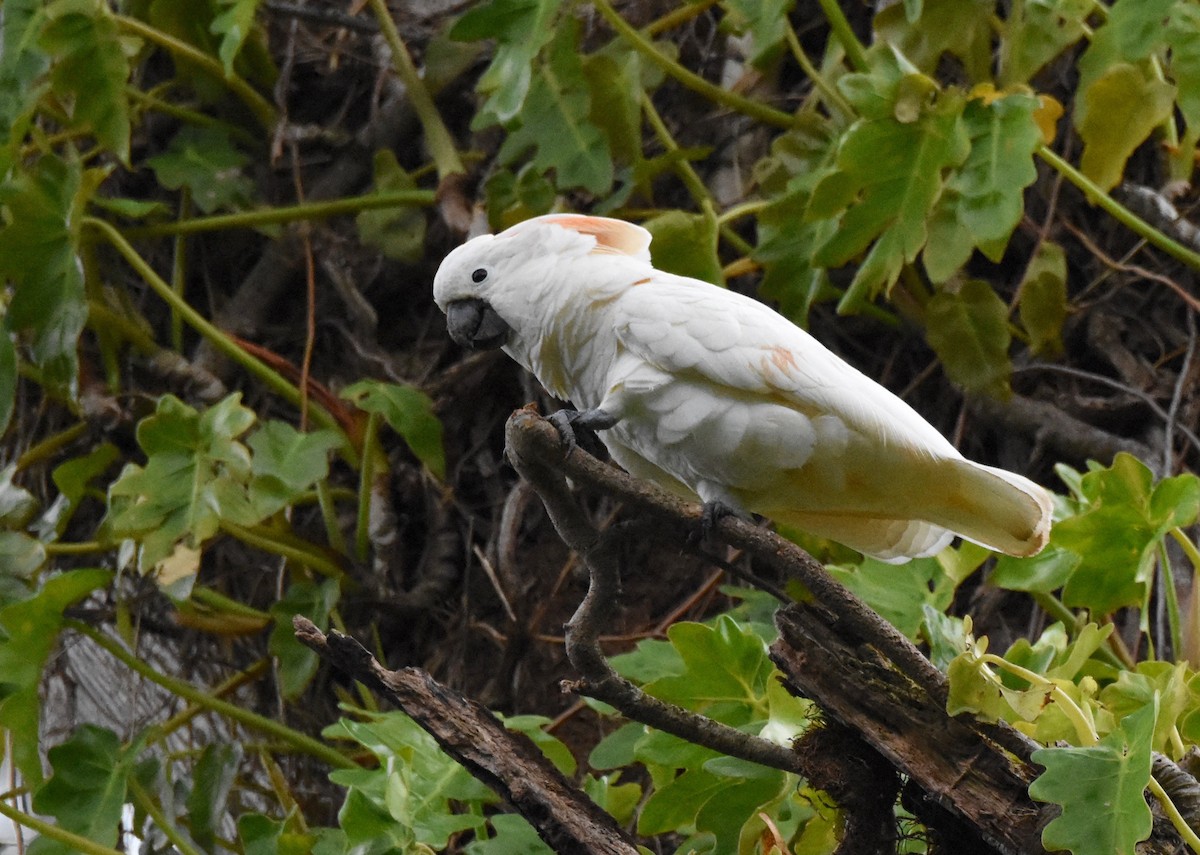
710, 514
568, 422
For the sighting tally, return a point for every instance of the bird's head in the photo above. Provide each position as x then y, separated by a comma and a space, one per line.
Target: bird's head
491, 286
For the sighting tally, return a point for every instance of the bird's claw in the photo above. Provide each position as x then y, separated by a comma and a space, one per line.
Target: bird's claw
567, 422
711, 514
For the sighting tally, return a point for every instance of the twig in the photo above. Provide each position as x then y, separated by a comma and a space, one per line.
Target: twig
506, 761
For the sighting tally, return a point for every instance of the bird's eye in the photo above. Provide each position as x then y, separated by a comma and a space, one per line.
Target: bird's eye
479, 275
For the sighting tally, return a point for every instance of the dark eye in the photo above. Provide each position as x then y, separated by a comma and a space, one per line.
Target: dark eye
479, 275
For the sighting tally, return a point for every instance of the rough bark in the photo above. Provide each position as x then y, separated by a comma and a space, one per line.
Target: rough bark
470, 733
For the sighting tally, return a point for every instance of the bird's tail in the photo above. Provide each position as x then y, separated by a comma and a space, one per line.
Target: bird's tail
995, 508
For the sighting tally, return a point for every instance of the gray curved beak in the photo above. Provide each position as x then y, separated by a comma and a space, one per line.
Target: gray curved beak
475, 325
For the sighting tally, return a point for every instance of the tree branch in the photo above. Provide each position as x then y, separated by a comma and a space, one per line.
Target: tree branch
565, 818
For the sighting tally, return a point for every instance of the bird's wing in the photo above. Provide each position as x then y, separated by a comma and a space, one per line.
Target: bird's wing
690, 328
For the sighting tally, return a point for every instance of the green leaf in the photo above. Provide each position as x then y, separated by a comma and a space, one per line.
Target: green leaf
293, 459
398, 232
21, 64
1113, 775
961, 28
90, 70
555, 120
512, 199
766, 21
205, 162
984, 200
233, 25
195, 475
521, 29
900, 593
297, 663
38, 255
889, 180
73, 478
1122, 107
31, 630
1047, 571
20, 555
414, 790
726, 669
1183, 36
511, 835
86, 792
212, 781
1036, 32
615, 90
17, 504
968, 330
1118, 534
534, 728
1044, 299
686, 244
409, 412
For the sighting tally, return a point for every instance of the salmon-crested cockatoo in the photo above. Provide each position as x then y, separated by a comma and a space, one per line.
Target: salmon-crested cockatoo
715, 396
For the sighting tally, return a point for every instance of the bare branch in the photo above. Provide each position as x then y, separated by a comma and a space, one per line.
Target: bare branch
507, 762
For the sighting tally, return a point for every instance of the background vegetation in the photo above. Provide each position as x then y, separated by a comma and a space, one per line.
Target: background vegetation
228, 399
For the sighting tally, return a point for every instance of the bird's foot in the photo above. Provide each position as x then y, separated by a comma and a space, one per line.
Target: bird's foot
711, 514
569, 422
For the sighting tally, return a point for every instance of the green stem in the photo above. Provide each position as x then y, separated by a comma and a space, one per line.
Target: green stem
437, 136
754, 109
268, 376
1185, 831
293, 549
287, 214
179, 270
191, 117
687, 174
1174, 624
329, 514
844, 33
260, 106
366, 475
832, 96
155, 812
86, 547
51, 445
296, 740
1083, 728
74, 842
254, 672
1118, 211
1054, 607
1189, 548
686, 12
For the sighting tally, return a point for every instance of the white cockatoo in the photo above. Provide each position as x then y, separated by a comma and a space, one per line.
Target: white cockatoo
713, 395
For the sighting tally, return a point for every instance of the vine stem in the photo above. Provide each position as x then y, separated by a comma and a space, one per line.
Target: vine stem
53, 832
1118, 211
288, 214
198, 322
437, 136
1083, 728
293, 549
155, 812
844, 33
1185, 831
260, 106
735, 102
200, 697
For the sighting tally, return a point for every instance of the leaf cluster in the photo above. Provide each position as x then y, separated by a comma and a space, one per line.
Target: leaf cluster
193, 462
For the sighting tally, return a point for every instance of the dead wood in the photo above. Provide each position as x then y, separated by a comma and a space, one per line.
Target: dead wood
507, 762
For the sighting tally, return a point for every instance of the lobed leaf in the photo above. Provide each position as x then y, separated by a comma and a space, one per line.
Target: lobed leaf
968, 329
409, 412
1114, 775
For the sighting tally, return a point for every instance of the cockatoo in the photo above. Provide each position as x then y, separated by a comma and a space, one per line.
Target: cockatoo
717, 397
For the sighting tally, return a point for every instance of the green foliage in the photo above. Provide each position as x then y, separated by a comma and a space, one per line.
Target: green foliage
409, 412
199, 473
892, 183
1114, 774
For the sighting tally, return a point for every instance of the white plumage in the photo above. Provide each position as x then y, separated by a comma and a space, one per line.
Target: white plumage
716, 396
